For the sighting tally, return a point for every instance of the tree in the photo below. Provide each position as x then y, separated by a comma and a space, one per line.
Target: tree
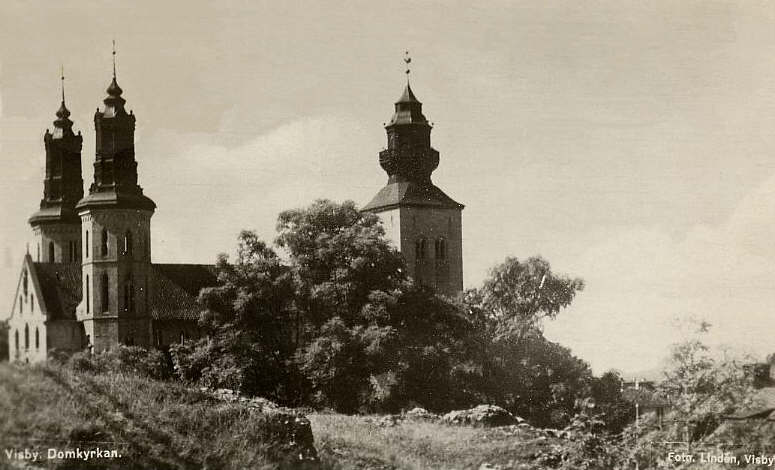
519, 295
519, 368
249, 342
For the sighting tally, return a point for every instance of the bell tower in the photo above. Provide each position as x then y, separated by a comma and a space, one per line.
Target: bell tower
116, 233
56, 226
423, 222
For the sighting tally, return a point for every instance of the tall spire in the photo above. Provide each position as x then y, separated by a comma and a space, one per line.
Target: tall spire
409, 155
62, 185
115, 166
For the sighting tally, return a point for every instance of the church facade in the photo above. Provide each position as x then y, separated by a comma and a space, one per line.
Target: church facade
91, 283
422, 221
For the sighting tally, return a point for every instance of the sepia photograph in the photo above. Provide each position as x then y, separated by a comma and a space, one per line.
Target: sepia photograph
402, 235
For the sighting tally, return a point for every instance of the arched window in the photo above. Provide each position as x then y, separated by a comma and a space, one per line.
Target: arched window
105, 293
37, 338
86, 245
128, 243
88, 297
32, 303
419, 249
129, 295
104, 245
26, 336
441, 248
25, 281
50, 252
38, 252
21, 304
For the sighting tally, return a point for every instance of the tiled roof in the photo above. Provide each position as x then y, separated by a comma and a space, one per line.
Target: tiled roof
407, 193
176, 288
60, 284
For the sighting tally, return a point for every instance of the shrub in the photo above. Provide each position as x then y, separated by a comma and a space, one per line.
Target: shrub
127, 359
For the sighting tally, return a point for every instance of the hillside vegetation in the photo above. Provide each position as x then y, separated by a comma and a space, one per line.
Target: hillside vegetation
152, 424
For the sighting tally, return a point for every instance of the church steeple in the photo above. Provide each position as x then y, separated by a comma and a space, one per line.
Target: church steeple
115, 167
409, 155
62, 184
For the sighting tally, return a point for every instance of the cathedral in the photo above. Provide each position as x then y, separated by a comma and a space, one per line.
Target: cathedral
90, 283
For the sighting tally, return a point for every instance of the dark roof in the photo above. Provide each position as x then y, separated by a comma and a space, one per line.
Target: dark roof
408, 193
407, 96
176, 288
60, 285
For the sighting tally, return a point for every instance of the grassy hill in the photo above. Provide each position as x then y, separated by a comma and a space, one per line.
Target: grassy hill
164, 425
150, 424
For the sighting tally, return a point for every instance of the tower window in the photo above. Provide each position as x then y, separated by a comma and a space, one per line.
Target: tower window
105, 293
38, 252
50, 252
86, 245
419, 249
441, 248
21, 304
25, 281
16, 339
72, 252
37, 338
128, 243
104, 249
26, 336
88, 297
32, 303
129, 295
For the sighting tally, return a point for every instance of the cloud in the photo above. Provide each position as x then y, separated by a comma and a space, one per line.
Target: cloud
639, 280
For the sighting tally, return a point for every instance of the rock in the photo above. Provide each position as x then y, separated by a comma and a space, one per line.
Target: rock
482, 415
388, 421
421, 414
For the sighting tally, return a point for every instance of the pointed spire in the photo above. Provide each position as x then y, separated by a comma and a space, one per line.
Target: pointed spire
62, 122
63, 82
114, 59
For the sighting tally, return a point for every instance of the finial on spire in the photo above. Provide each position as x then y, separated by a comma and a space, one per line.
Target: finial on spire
114, 58
407, 61
62, 76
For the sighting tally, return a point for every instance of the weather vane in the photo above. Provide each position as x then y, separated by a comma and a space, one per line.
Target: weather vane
407, 61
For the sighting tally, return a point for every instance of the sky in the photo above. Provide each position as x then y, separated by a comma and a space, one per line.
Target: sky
629, 143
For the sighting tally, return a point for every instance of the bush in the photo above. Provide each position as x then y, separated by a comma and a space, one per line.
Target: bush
153, 364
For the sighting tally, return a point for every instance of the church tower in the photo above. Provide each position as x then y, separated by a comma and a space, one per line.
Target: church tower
423, 222
56, 226
116, 231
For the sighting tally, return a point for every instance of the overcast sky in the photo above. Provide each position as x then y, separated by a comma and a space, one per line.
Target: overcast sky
629, 143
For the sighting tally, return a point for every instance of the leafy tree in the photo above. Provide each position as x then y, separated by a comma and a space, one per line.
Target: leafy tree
519, 295
615, 411
249, 344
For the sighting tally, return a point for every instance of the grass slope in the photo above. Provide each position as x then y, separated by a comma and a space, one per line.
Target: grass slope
153, 425
356, 442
